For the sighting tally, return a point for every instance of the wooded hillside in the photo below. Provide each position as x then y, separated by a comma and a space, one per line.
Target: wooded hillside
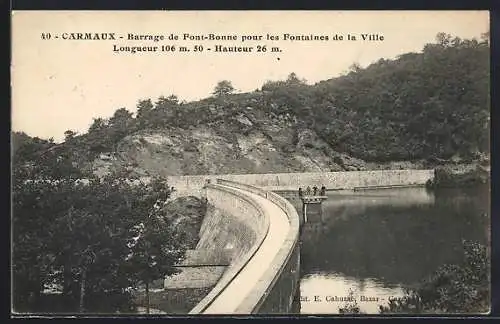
420, 106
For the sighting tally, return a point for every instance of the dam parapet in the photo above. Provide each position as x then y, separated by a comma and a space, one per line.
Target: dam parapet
256, 235
193, 185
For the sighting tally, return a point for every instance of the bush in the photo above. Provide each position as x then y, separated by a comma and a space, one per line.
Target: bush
351, 306
444, 176
456, 288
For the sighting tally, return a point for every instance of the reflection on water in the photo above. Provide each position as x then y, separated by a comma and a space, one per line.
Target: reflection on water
376, 242
325, 292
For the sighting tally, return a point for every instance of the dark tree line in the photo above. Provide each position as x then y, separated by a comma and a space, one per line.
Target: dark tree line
95, 240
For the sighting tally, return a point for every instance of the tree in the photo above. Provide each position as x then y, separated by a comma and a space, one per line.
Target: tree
84, 243
444, 39
97, 139
98, 124
173, 99
69, 135
355, 67
120, 124
37, 199
164, 104
121, 118
272, 85
144, 109
151, 256
156, 246
157, 115
223, 88
293, 79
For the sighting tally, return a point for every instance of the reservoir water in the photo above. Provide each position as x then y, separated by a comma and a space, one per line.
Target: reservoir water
373, 243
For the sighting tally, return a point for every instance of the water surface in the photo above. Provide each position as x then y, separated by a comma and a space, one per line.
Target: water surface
374, 243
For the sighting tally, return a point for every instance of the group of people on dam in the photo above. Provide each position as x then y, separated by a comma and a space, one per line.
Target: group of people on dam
313, 192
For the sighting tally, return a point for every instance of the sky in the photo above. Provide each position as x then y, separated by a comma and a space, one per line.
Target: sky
62, 84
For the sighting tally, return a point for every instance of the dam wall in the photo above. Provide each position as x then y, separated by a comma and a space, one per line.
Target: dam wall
277, 288
234, 226
248, 223
193, 184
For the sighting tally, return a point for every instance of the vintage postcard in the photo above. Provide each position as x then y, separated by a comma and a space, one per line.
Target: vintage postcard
250, 162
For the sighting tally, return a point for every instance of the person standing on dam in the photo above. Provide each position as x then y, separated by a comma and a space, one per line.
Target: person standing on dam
323, 191
301, 194
308, 191
315, 190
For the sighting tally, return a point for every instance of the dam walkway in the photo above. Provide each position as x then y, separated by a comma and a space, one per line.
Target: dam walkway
260, 232
242, 285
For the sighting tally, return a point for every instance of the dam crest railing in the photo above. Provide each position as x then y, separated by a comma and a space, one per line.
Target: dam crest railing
255, 301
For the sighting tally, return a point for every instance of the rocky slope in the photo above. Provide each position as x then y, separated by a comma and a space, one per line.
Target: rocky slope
249, 142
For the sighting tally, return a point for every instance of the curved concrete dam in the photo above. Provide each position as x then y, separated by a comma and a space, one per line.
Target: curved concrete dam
257, 233
262, 277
